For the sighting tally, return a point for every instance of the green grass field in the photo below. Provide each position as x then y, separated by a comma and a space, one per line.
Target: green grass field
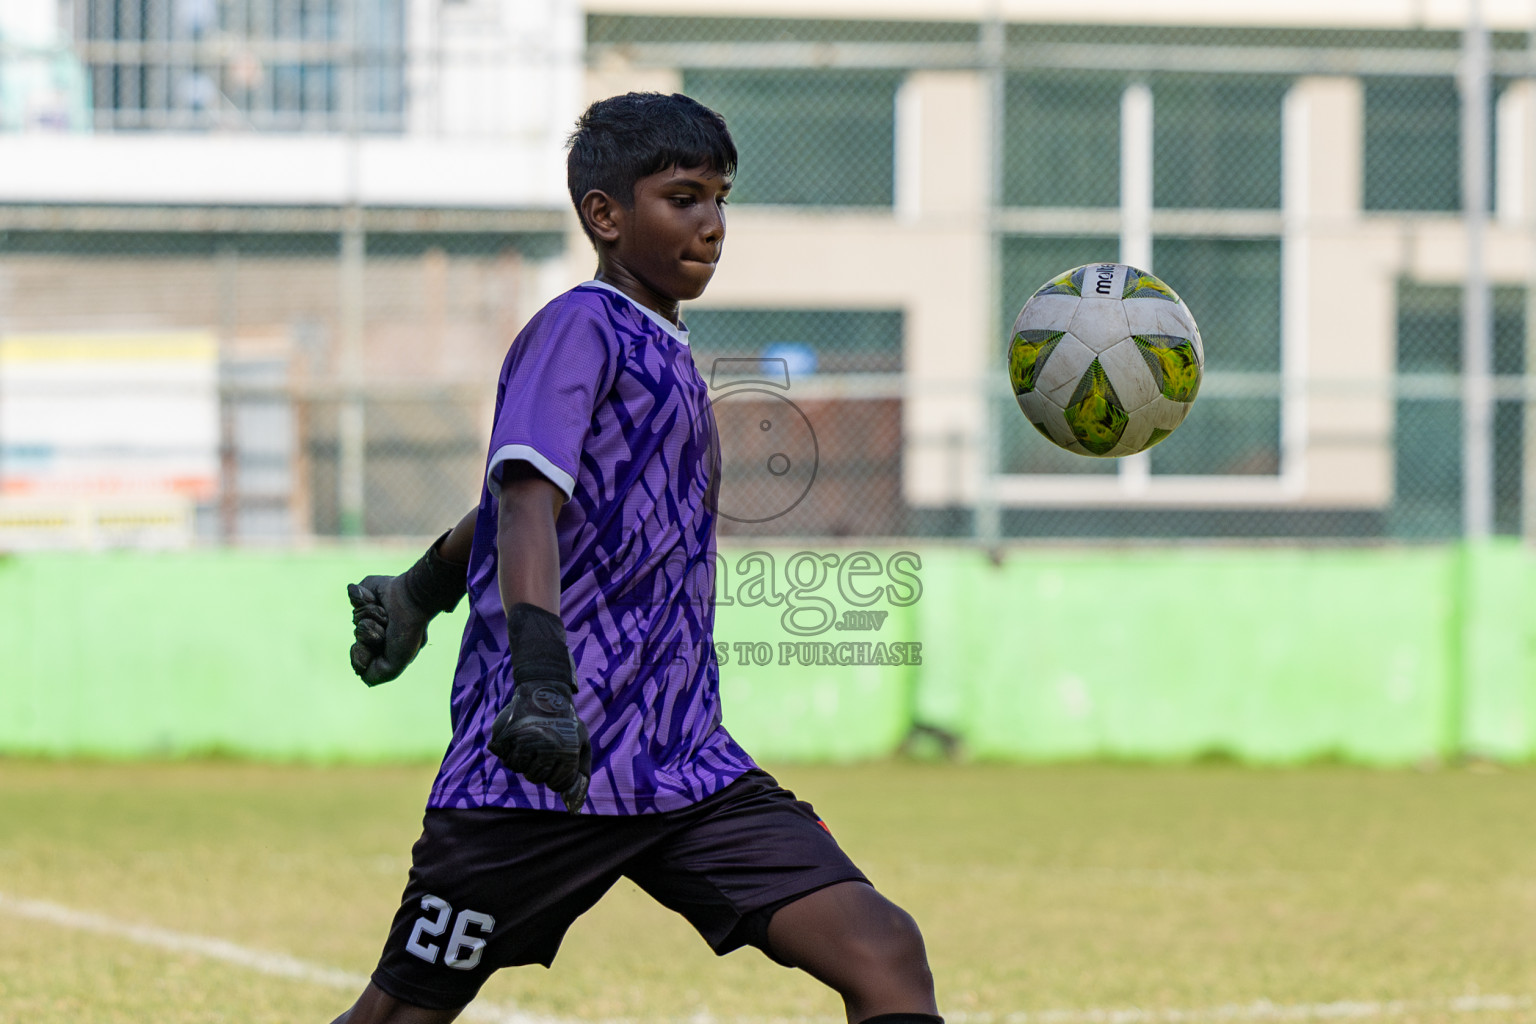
1082, 893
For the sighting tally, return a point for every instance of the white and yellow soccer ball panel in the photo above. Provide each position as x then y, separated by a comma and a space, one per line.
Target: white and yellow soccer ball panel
1105, 360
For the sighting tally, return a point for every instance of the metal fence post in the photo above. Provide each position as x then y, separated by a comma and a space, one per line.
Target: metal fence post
993, 34
1477, 296
351, 426
1528, 214
1136, 145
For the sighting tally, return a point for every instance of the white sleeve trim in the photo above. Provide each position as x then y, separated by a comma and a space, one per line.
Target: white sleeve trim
535, 458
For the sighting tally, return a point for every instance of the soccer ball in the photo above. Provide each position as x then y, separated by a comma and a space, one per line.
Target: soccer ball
1105, 360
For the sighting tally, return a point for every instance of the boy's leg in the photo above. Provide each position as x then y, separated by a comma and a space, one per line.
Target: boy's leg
859, 944
374, 1006
752, 865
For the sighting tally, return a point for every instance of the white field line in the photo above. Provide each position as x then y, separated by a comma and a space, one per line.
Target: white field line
284, 966
278, 965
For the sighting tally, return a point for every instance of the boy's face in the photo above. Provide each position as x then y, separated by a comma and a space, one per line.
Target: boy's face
671, 239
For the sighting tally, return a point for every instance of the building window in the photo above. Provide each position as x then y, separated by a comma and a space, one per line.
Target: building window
1427, 448
807, 447
1412, 144
1217, 142
818, 341
1216, 146
1233, 288
278, 65
1216, 139
807, 137
1062, 142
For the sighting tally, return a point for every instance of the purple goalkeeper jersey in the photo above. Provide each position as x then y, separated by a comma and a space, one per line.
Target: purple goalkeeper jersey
601, 396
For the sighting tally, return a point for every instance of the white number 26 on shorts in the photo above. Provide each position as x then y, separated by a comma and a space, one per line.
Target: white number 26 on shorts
463, 949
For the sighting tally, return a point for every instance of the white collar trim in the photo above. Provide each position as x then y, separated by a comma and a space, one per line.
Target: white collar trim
675, 330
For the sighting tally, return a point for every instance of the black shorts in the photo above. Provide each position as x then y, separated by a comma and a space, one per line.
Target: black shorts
492, 888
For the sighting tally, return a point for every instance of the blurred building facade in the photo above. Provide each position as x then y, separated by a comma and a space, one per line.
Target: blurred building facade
362, 200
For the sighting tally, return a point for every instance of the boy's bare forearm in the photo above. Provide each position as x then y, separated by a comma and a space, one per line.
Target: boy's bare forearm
527, 546
455, 547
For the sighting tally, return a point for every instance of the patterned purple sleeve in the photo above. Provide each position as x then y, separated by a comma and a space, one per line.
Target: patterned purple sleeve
563, 362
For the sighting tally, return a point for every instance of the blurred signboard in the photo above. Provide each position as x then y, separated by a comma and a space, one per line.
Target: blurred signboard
106, 428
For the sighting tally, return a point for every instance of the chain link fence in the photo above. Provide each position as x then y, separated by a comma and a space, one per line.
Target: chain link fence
904, 187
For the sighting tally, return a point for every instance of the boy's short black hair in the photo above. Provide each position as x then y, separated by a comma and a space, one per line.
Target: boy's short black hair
622, 139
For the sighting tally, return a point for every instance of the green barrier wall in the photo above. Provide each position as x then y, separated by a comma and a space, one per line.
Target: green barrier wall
1382, 656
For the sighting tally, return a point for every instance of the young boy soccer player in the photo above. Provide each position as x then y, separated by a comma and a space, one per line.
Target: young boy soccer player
576, 759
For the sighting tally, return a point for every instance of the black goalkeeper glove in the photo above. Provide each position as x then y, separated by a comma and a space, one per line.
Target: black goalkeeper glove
390, 613
538, 734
